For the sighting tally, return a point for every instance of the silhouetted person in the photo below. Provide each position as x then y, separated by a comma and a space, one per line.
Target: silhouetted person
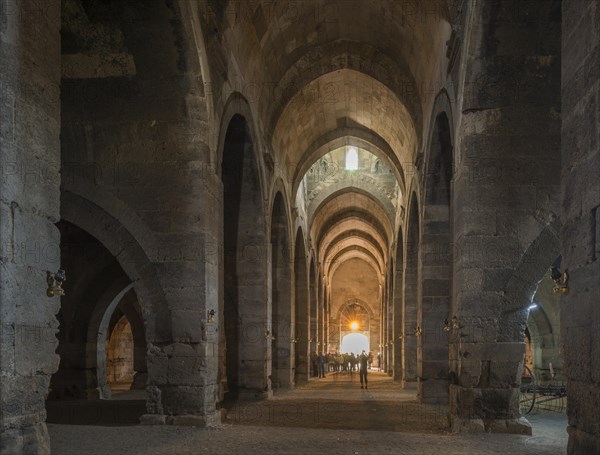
314, 361
364, 364
322, 362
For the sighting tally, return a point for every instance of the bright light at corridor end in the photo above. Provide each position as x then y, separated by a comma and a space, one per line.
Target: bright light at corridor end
354, 325
351, 159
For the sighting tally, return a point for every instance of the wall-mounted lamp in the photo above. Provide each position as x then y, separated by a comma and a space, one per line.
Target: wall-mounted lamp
210, 315
295, 340
561, 281
268, 336
447, 326
400, 336
418, 331
55, 282
452, 325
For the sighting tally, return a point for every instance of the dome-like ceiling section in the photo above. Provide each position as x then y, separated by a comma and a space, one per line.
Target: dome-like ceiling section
360, 58
322, 78
351, 198
338, 99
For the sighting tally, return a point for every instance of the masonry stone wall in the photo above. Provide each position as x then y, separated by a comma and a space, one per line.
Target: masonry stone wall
580, 215
29, 207
508, 125
133, 105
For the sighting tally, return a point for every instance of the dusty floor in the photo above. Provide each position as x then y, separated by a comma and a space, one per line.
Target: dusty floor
330, 416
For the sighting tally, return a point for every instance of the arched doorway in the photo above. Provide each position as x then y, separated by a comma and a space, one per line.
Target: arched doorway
98, 294
355, 328
119, 351
355, 343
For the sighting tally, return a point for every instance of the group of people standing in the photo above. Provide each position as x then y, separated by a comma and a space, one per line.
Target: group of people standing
337, 362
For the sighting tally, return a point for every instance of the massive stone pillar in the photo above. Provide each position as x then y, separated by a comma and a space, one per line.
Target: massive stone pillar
321, 315
312, 326
140, 124
390, 322
301, 304
397, 313
29, 207
383, 325
411, 296
505, 199
436, 269
282, 317
580, 215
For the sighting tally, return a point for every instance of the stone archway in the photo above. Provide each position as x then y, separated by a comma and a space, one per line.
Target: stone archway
119, 350
355, 319
98, 334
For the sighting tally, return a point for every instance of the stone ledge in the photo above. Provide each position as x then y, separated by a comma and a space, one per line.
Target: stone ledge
188, 420
254, 395
508, 426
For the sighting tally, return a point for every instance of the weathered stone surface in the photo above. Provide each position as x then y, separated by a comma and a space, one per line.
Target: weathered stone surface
198, 161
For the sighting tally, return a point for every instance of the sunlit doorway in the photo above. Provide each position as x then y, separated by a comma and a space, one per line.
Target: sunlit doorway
355, 342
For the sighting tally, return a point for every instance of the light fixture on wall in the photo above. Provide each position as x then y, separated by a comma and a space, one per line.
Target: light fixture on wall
452, 325
210, 315
268, 336
418, 331
447, 326
561, 281
295, 340
55, 282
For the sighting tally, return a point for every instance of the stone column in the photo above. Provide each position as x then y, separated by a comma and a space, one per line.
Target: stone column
314, 296
183, 384
321, 317
580, 216
411, 298
505, 195
397, 315
301, 308
390, 323
29, 207
384, 327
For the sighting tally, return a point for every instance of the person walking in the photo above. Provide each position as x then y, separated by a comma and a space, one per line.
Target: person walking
364, 364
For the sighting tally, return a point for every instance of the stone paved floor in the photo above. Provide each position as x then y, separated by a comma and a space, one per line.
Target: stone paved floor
330, 416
